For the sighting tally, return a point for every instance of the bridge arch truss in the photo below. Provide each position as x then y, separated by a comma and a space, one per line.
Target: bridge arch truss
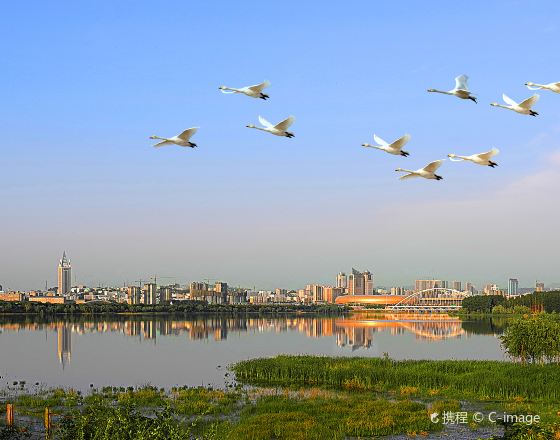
437, 299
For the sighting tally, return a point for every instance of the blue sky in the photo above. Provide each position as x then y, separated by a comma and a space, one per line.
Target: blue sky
83, 85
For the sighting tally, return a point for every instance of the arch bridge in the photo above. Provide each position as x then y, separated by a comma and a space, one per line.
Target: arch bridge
437, 299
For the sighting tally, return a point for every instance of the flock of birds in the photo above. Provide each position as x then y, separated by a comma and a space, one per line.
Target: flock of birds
461, 91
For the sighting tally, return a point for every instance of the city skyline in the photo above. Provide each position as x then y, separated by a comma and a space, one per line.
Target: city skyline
79, 172
353, 282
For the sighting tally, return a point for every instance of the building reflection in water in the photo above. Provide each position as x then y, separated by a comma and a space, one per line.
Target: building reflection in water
64, 337
353, 331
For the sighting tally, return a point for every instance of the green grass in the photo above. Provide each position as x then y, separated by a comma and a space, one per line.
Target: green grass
478, 380
340, 416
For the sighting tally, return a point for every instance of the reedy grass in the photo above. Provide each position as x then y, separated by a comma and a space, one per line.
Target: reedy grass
479, 380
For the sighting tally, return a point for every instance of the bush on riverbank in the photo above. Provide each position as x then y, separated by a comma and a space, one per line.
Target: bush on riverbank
482, 303
535, 339
548, 302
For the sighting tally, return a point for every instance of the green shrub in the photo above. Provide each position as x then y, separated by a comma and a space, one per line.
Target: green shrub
536, 339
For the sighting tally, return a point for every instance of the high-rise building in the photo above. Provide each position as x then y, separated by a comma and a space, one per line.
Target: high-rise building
221, 291
342, 280
64, 275
360, 283
420, 285
513, 287
368, 283
331, 293
456, 285
165, 294
539, 287
134, 294
317, 293
469, 288
150, 293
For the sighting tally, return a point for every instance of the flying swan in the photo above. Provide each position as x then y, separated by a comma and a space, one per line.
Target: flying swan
480, 158
428, 172
278, 129
461, 89
255, 91
392, 148
181, 139
523, 107
554, 87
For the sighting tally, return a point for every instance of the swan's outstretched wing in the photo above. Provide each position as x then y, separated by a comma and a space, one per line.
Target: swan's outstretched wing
489, 154
401, 142
529, 102
408, 176
265, 123
433, 166
508, 100
285, 124
187, 134
259, 87
379, 140
461, 83
162, 144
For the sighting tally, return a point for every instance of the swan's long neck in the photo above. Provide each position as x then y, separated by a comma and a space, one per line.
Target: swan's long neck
258, 128
230, 89
402, 170
542, 86
504, 106
441, 91
158, 137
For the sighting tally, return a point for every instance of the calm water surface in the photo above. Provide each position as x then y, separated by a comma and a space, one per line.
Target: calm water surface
166, 352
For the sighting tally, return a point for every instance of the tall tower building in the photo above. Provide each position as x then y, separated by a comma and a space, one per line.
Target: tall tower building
64, 275
513, 287
342, 280
539, 287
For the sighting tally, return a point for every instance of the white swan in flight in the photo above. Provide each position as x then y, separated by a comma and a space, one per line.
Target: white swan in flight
554, 87
279, 129
480, 158
428, 172
461, 89
523, 107
255, 91
392, 148
183, 139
